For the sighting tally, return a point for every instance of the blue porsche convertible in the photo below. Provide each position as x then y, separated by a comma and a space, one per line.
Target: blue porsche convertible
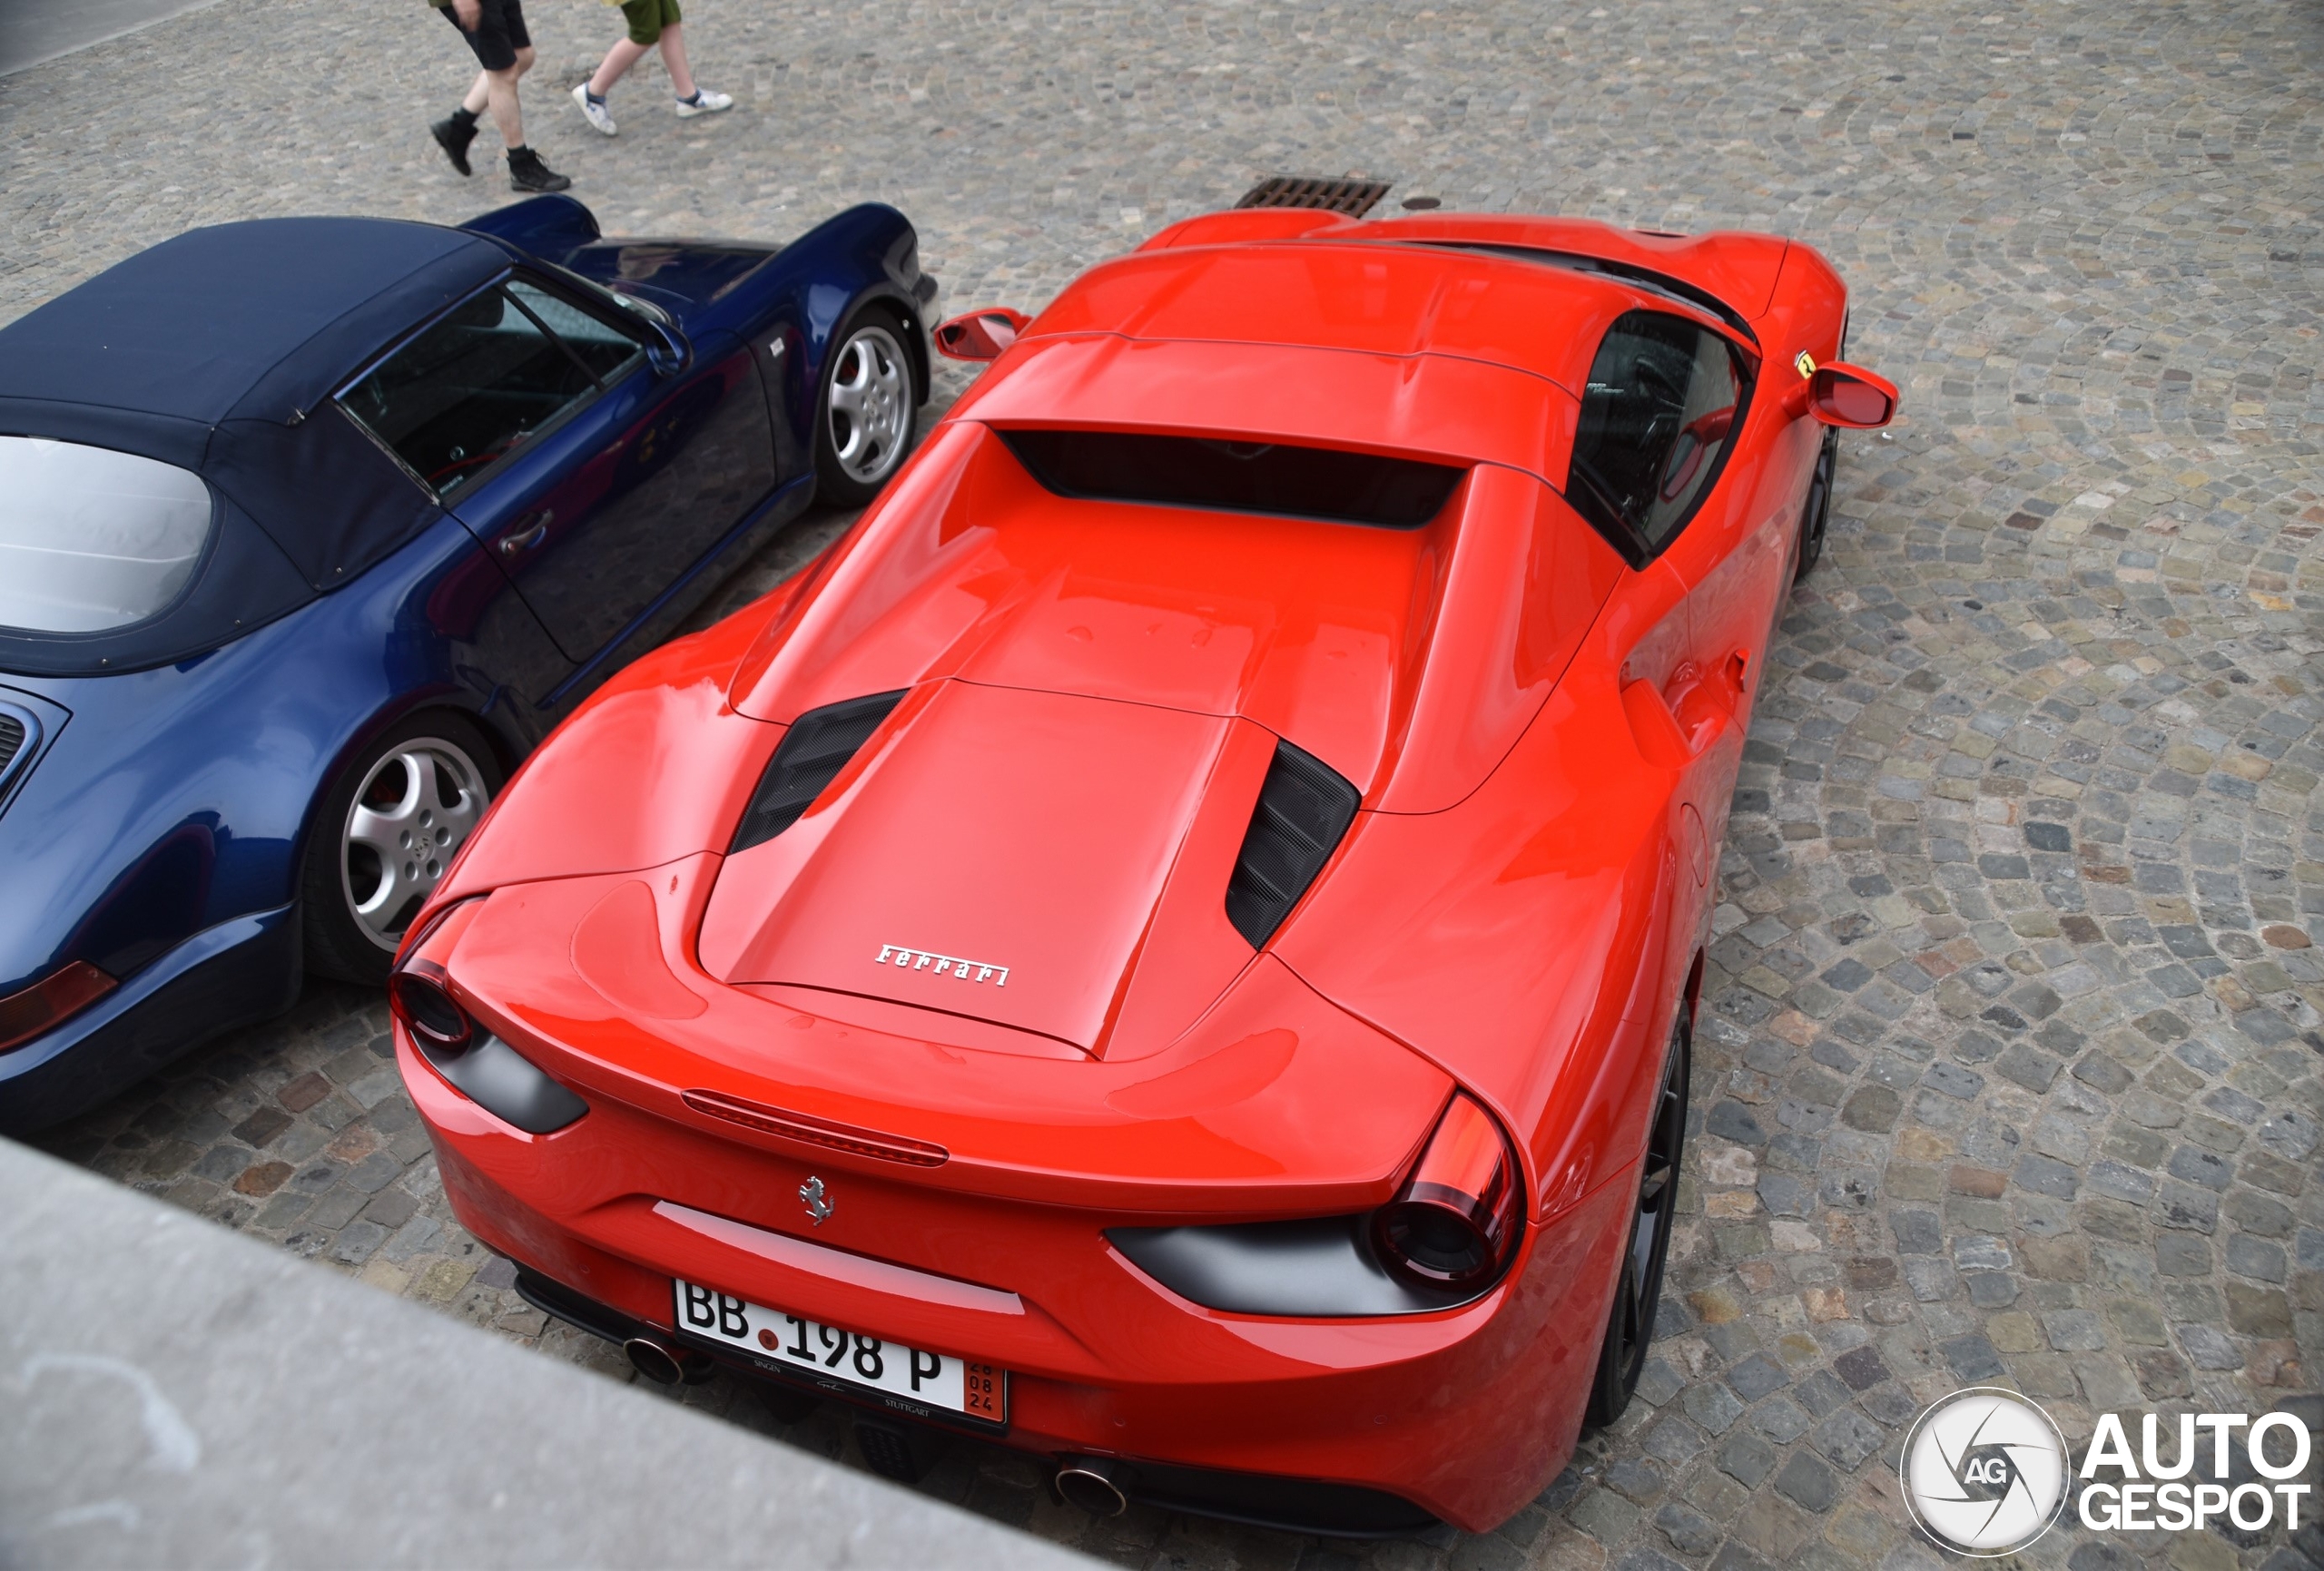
311, 528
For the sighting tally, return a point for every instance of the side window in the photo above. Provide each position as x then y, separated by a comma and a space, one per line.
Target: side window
1663, 396
470, 389
606, 349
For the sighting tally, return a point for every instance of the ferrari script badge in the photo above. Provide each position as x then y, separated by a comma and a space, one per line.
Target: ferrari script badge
810, 1193
942, 965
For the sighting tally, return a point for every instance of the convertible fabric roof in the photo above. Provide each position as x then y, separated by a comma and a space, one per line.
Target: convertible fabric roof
254, 320
216, 351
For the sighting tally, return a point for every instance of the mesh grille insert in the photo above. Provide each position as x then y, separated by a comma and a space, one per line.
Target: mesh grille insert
1304, 809
812, 752
1353, 197
12, 737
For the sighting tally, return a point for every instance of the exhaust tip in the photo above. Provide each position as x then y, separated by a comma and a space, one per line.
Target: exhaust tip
1090, 1482
655, 1361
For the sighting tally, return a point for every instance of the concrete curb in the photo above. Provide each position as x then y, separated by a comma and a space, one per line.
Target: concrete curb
172, 1394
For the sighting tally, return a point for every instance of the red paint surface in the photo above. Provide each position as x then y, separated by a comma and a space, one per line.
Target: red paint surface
1545, 742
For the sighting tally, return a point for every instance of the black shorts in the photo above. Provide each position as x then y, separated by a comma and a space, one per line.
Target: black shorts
499, 33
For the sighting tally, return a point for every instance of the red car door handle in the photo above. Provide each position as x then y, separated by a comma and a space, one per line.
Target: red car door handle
1673, 730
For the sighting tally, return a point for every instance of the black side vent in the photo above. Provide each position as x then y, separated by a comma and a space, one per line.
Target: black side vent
1304, 809
1353, 197
12, 737
812, 752
1275, 478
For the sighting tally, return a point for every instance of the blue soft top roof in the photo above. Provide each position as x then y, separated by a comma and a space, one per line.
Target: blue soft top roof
218, 351
256, 321
211, 351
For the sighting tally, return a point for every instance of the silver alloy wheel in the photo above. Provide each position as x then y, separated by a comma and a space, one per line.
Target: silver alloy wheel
870, 406
415, 808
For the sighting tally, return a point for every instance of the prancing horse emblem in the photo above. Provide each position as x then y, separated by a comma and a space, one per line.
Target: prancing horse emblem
811, 1193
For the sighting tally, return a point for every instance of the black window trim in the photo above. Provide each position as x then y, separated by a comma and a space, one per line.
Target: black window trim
600, 384
1638, 278
1596, 511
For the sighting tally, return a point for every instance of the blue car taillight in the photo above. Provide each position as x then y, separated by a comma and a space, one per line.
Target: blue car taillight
50, 1001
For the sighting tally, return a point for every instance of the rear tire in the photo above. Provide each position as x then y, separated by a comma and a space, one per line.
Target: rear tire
1638, 1293
1816, 514
382, 835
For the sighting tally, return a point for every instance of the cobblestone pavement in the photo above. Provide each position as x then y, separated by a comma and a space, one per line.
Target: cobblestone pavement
2010, 1069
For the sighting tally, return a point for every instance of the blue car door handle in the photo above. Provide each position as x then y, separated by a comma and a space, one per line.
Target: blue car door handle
524, 539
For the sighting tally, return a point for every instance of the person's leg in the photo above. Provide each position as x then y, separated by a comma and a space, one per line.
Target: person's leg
624, 53
673, 59
644, 20
525, 169
693, 97
482, 27
501, 92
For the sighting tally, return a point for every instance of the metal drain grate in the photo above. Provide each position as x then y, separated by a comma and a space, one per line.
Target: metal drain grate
1353, 197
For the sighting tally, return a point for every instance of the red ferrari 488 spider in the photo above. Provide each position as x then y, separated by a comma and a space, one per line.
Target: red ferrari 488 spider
1174, 946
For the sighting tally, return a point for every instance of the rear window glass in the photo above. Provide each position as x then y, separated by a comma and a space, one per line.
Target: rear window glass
1237, 476
92, 539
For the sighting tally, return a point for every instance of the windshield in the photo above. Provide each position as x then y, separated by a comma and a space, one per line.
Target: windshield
92, 539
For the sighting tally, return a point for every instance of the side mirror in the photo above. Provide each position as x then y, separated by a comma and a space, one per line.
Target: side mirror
980, 335
1851, 396
666, 349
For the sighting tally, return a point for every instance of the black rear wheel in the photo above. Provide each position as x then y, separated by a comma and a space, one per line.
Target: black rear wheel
1638, 1295
1819, 511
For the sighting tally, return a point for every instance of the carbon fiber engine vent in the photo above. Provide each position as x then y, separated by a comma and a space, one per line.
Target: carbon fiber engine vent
812, 752
1304, 809
1353, 197
12, 737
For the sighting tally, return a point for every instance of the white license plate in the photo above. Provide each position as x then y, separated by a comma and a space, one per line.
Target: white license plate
829, 1354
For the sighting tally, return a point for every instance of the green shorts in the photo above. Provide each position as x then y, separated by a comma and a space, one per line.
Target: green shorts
648, 17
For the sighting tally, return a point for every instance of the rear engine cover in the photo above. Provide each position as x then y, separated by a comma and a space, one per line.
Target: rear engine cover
1008, 856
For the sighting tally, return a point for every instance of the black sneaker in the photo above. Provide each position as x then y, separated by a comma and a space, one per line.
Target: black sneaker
527, 173
453, 136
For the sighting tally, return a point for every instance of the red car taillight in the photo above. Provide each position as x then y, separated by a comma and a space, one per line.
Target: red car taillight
419, 996
1455, 1221
419, 991
63, 993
